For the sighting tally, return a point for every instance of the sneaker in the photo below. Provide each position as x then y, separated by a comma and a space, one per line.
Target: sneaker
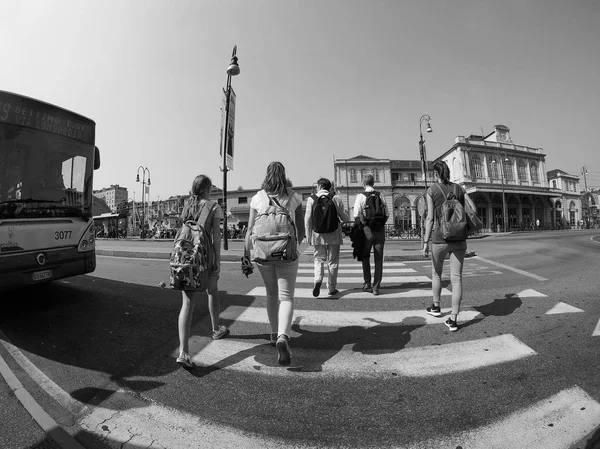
333, 292
220, 333
451, 325
284, 355
317, 288
375, 291
367, 287
434, 310
184, 360
273, 338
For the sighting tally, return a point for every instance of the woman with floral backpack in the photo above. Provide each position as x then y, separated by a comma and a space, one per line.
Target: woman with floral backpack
195, 204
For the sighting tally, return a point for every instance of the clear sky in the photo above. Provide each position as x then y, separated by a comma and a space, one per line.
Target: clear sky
319, 78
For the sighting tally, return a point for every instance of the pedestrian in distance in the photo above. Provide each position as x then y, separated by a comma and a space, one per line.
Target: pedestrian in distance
196, 206
440, 247
371, 214
276, 213
322, 220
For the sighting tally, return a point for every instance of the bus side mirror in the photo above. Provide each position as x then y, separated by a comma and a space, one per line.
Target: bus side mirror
96, 158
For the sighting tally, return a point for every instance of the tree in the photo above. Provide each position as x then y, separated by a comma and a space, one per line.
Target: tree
123, 209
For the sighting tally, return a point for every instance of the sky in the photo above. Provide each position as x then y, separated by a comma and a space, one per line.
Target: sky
320, 79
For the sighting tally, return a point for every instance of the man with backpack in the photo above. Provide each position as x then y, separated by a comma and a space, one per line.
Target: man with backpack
371, 214
323, 217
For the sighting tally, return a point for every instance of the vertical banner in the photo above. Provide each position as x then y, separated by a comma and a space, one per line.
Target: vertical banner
227, 139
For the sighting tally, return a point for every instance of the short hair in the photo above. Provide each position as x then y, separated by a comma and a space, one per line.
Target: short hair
369, 179
324, 184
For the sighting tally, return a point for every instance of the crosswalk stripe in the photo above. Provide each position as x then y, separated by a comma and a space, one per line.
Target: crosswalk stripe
562, 307
339, 319
596, 332
529, 293
359, 279
387, 292
356, 264
341, 270
348, 361
554, 423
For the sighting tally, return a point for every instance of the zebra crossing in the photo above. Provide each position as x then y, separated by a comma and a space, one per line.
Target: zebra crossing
556, 421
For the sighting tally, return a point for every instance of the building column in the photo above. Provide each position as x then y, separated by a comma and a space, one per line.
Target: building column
486, 173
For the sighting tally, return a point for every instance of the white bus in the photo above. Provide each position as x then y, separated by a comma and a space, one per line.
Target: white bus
47, 162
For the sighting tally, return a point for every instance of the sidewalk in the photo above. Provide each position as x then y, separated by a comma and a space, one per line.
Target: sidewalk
395, 250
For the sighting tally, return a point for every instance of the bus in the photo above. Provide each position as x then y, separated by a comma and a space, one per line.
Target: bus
47, 162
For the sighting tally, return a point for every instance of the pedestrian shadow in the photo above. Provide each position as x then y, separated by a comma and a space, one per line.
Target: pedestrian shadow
501, 306
312, 349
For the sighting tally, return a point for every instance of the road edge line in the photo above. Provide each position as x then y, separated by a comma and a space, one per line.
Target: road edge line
39, 415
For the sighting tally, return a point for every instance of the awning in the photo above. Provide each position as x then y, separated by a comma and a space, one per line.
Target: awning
99, 217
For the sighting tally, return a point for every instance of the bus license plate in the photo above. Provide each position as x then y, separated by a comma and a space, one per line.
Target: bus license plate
41, 275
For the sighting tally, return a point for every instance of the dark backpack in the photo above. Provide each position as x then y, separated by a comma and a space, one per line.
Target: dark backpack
324, 214
374, 211
452, 218
192, 259
273, 236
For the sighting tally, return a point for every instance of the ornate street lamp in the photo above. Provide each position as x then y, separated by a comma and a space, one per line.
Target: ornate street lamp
423, 157
232, 70
137, 179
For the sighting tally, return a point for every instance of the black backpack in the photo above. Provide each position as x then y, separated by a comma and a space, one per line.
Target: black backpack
374, 211
324, 214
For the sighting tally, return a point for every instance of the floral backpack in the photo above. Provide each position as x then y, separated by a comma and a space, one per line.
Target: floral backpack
192, 258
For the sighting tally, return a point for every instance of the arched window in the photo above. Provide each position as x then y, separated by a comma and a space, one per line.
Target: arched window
476, 166
376, 174
402, 215
363, 172
534, 172
493, 168
558, 205
352, 175
509, 175
522, 171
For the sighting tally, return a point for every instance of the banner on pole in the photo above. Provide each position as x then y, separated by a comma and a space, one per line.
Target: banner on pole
227, 137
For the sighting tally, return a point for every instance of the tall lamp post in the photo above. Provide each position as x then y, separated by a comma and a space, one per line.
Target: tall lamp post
227, 136
423, 155
502, 180
137, 179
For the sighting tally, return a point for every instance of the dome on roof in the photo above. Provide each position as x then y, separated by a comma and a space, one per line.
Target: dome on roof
99, 206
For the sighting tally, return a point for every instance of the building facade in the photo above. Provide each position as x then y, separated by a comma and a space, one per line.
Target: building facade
112, 195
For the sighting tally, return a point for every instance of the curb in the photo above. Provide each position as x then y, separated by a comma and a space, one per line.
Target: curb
58, 434
155, 255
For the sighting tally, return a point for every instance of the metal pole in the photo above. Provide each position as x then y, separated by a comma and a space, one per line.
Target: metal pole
225, 148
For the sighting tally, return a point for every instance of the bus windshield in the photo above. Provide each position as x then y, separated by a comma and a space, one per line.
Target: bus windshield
43, 174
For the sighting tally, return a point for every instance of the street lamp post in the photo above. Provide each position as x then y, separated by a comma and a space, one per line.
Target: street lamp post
232, 70
137, 179
423, 156
502, 180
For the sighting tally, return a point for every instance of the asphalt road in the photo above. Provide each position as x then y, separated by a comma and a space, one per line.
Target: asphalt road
97, 353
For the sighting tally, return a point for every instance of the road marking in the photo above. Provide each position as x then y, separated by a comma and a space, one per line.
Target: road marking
127, 421
338, 319
63, 398
596, 330
557, 422
516, 270
385, 292
529, 293
360, 280
342, 270
356, 264
351, 360
562, 307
